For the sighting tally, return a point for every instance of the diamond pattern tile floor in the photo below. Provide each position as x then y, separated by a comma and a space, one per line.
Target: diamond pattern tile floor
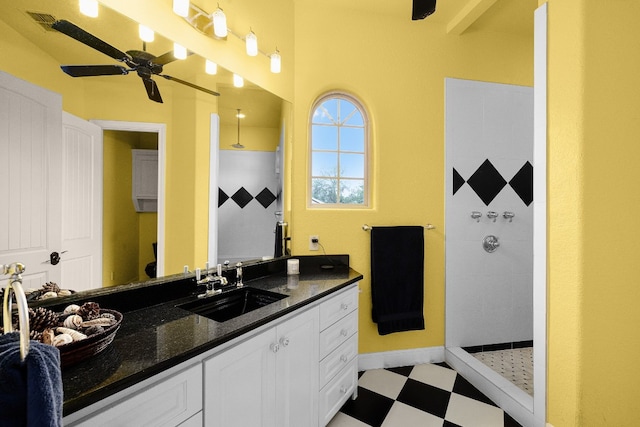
516, 365
422, 395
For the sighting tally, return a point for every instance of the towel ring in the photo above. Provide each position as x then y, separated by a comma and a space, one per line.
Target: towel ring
15, 284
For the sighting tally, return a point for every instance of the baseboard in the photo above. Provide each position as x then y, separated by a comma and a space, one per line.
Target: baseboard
394, 359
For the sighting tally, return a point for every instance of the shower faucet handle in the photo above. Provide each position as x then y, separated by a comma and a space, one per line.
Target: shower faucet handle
476, 215
492, 215
508, 215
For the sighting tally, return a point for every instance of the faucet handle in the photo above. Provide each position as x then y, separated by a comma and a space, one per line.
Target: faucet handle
492, 215
476, 215
508, 215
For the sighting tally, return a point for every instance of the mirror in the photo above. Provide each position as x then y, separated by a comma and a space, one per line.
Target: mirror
38, 52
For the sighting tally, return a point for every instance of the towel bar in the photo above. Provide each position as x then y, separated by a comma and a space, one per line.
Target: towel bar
366, 227
15, 284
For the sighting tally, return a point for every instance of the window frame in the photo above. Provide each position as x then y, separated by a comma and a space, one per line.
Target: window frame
339, 95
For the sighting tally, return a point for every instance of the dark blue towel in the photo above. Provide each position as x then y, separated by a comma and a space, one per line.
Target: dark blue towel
30, 391
397, 278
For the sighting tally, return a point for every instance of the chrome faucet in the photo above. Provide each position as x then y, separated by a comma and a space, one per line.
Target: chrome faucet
211, 281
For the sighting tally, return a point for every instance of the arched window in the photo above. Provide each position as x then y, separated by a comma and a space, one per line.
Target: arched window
339, 152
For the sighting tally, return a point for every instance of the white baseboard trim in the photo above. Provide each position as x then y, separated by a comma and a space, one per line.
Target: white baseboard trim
394, 359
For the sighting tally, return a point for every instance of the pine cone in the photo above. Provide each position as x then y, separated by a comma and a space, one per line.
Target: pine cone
41, 319
35, 335
89, 310
51, 287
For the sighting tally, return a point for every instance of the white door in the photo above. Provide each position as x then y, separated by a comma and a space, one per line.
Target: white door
81, 260
50, 188
30, 178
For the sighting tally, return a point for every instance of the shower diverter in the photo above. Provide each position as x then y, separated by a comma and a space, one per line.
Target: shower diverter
490, 243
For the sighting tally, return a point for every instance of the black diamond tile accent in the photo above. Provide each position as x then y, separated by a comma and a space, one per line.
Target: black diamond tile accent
425, 397
265, 197
522, 183
465, 388
458, 181
222, 197
371, 408
242, 197
487, 182
450, 424
402, 370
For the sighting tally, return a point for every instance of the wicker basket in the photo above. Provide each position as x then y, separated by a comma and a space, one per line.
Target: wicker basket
77, 351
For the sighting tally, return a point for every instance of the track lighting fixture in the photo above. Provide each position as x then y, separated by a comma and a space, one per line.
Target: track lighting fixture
181, 7
210, 67
219, 20
179, 51
89, 8
146, 34
238, 81
276, 62
252, 43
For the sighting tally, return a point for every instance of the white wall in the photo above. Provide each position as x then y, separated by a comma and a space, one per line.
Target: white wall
248, 232
489, 296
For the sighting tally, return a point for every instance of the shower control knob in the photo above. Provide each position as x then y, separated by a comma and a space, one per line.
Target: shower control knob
492, 215
476, 215
490, 243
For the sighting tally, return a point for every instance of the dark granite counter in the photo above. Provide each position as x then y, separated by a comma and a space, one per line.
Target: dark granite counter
156, 335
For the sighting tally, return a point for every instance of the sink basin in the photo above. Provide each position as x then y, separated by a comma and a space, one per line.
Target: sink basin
231, 304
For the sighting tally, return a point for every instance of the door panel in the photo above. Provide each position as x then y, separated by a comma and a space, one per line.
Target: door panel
30, 141
81, 263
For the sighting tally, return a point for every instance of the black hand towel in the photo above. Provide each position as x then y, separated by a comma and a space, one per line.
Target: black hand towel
397, 278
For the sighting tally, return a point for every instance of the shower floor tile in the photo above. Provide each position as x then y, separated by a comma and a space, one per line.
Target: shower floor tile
516, 365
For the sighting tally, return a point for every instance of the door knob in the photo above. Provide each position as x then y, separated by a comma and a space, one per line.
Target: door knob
54, 258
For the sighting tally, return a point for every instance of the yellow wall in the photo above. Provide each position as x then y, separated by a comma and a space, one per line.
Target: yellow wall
396, 68
594, 103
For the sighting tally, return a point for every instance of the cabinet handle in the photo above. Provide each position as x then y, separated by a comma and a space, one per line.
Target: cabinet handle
284, 341
344, 389
275, 348
344, 306
344, 358
344, 332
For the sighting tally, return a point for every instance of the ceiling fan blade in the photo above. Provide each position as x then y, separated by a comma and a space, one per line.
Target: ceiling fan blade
94, 70
167, 57
90, 40
210, 92
152, 89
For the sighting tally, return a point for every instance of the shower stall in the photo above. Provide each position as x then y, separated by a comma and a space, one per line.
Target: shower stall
489, 233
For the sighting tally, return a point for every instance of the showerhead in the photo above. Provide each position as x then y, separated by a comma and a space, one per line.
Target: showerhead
237, 144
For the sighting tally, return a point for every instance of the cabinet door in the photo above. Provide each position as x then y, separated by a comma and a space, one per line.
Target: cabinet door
297, 371
240, 383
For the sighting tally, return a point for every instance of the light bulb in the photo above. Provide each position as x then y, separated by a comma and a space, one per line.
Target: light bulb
210, 67
181, 8
146, 33
179, 51
219, 23
89, 8
276, 62
237, 80
252, 44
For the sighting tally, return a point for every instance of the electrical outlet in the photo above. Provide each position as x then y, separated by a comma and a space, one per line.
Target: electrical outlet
313, 242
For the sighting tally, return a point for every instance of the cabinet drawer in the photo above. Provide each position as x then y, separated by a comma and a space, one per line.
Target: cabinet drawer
337, 307
336, 393
338, 359
332, 337
166, 403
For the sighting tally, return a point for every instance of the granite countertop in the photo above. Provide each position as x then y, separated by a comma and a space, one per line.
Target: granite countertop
155, 335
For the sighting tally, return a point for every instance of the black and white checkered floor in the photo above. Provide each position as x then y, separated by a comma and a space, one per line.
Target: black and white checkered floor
426, 395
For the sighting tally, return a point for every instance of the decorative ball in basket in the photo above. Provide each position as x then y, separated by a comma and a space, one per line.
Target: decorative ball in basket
79, 332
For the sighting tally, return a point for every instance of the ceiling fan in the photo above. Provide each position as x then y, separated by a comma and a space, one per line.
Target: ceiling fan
143, 63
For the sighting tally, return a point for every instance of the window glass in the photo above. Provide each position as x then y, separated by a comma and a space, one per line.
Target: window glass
339, 157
